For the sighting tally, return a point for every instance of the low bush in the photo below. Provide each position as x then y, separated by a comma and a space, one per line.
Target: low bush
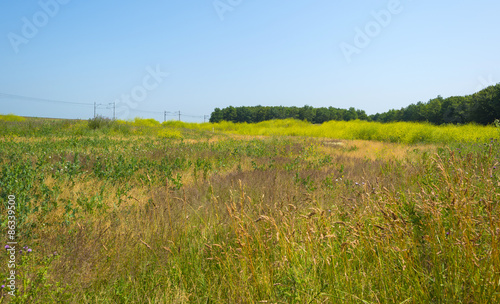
11, 117
99, 122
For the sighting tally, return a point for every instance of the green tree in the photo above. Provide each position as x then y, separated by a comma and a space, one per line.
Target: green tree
307, 113
322, 115
351, 114
230, 114
244, 114
216, 116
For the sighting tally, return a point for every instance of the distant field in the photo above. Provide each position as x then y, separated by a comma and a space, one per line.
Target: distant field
398, 132
401, 132
277, 212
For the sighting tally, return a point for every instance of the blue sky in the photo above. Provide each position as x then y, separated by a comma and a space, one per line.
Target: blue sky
192, 56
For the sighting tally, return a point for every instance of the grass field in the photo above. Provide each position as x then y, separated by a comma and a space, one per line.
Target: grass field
277, 212
398, 132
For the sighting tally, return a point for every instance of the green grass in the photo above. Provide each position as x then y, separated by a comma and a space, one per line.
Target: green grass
127, 214
397, 132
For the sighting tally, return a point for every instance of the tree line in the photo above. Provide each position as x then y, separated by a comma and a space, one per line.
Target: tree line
482, 107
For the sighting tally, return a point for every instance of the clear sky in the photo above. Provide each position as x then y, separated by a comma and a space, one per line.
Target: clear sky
192, 56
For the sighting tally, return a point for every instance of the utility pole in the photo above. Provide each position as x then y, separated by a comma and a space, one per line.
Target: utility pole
179, 115
95, 108
114, 110
164, 116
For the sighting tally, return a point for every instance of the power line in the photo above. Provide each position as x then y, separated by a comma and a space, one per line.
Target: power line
111, 105
42, 99
143, 111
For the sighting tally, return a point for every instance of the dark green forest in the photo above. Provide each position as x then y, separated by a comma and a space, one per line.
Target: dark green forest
482, 107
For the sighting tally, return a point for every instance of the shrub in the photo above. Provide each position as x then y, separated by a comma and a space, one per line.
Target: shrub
11, 117
99, 122
169, 133
141, 122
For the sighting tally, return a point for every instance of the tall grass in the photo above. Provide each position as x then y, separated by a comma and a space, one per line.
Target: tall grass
144, 219
398, 132
401, 132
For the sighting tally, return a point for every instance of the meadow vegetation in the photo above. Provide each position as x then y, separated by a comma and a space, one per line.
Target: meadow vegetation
397, 132
276, 212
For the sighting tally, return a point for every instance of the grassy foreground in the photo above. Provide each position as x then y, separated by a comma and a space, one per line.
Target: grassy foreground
197, 216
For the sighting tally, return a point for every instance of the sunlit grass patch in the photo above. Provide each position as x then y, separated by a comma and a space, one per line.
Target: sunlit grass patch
168, 133
396, 132
11, 117
399, 132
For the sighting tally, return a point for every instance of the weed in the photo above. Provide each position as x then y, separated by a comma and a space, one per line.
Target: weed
125, 214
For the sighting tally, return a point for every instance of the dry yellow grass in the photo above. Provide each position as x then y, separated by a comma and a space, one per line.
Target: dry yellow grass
276, 219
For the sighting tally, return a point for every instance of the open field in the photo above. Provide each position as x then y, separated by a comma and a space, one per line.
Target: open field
145, 212
397, 132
